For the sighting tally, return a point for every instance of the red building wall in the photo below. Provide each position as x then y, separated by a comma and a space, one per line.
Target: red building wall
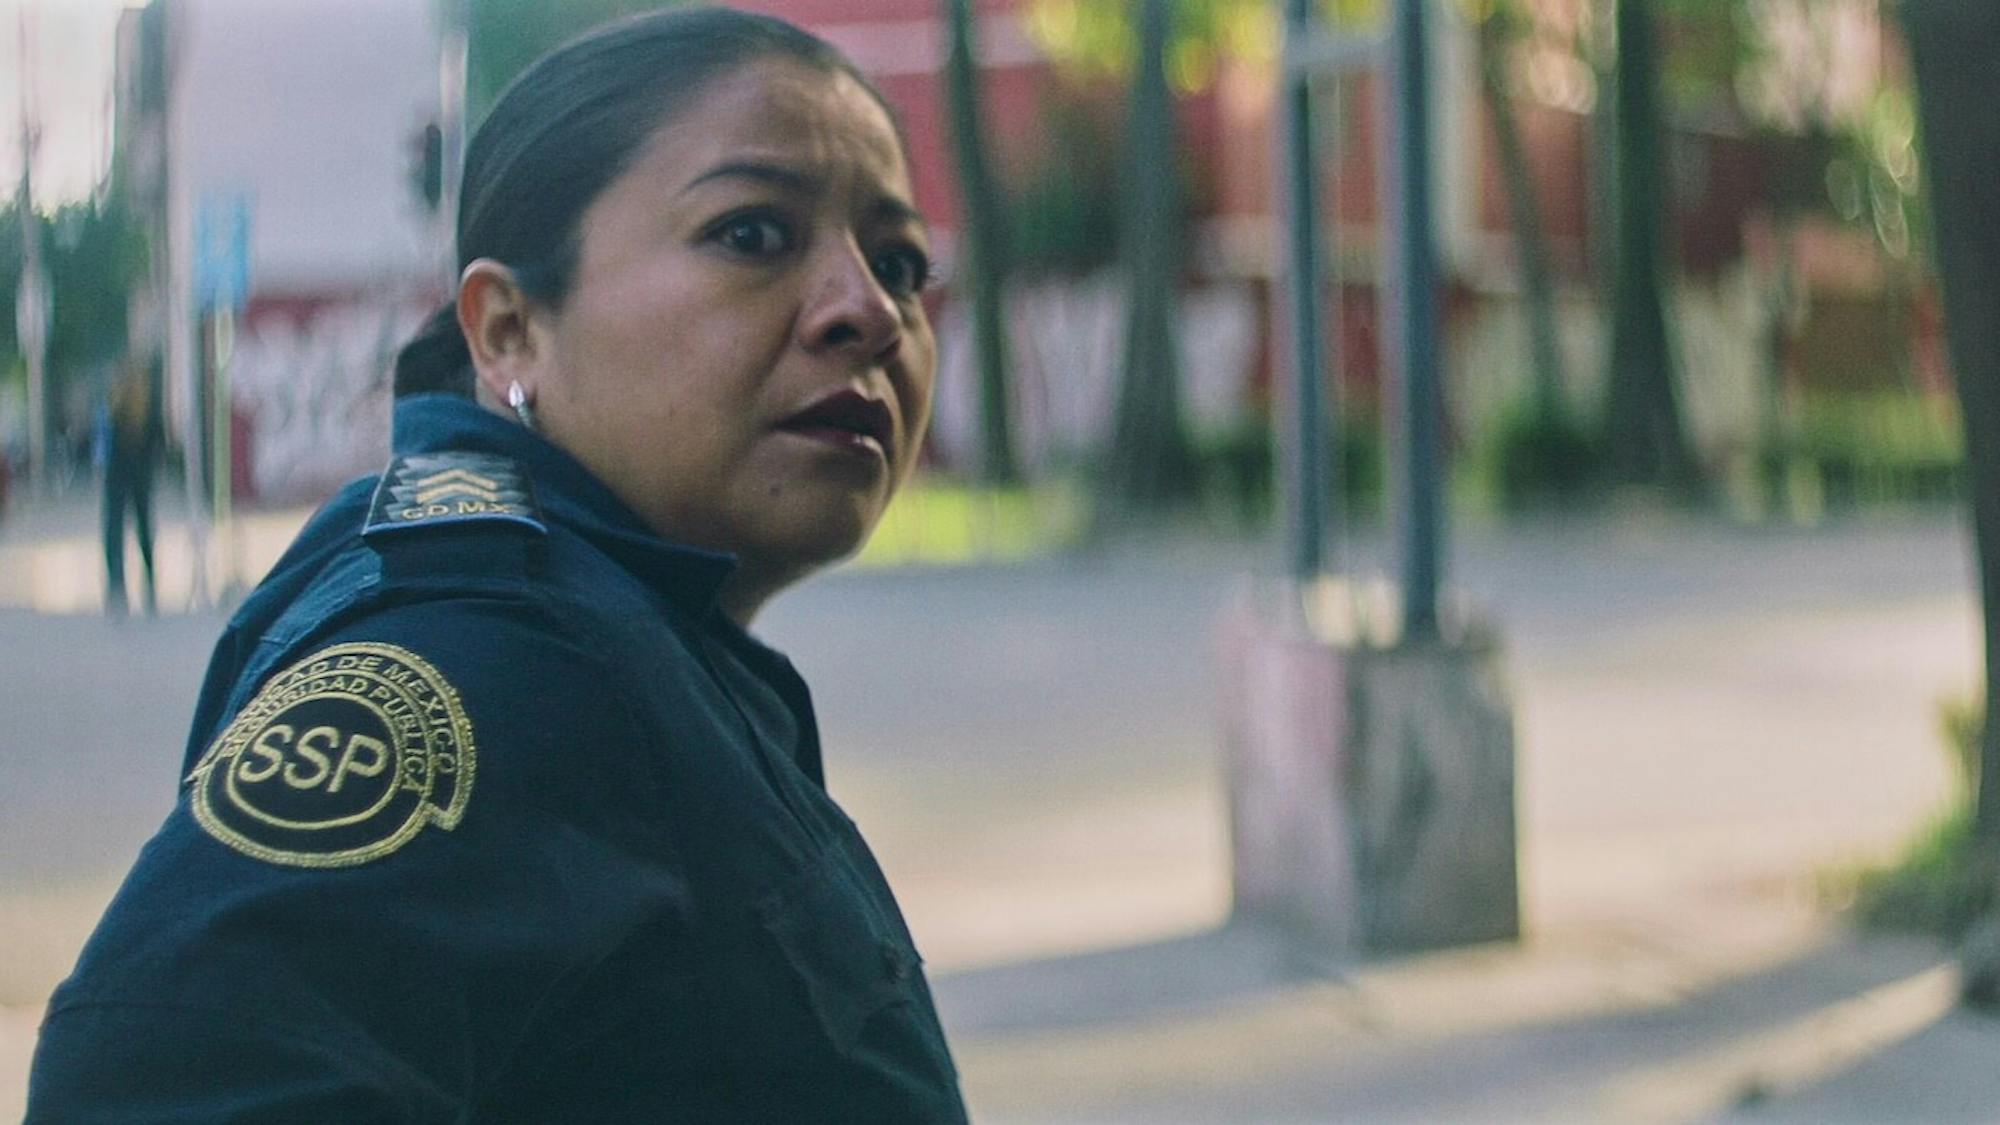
900, 45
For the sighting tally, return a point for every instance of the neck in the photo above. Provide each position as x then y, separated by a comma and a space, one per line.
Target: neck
752, 586
740, 600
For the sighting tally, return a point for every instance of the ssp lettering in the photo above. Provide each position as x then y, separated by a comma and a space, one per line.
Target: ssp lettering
307, 761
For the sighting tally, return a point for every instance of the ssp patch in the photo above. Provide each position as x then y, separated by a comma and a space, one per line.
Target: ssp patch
342, 758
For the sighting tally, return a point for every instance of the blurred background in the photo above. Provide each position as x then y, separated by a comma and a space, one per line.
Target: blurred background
1594, 351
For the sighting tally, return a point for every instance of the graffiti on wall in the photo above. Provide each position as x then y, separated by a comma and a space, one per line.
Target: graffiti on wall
313, 386
1065, 339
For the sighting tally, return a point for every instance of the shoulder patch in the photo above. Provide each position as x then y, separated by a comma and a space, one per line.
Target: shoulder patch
437, 488
340, 759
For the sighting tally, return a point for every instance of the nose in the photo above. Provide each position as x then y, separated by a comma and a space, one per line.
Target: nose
848, 310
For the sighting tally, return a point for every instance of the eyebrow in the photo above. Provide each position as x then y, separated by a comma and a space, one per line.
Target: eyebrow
797, 182
777, 175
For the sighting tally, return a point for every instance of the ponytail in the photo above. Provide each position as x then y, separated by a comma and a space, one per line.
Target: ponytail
436, 358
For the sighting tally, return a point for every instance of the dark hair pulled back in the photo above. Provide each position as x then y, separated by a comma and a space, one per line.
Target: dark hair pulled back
563, 130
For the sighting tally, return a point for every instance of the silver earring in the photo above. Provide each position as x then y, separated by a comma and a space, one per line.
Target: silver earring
517, 397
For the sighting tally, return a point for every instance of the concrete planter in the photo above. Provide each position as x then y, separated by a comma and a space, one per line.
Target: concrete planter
1371, 781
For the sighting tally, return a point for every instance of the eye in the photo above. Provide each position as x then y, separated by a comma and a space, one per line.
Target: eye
755, 235
903, 271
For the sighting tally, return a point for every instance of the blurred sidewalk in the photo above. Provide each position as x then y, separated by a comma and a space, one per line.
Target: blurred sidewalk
52, 555
1709, 718
1748, 1014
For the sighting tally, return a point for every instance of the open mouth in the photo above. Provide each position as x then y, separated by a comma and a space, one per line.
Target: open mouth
849, 420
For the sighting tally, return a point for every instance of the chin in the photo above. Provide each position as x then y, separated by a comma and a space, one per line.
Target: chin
810, 540
782, 548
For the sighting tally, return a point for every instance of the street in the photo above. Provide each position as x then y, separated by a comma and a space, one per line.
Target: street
1709, 720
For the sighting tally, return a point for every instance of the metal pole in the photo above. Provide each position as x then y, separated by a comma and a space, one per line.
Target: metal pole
453, 46
1306, 550
31, 324
1414, 329
222, 328
31, 311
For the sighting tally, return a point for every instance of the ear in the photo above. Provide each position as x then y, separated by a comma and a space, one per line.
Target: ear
503, 328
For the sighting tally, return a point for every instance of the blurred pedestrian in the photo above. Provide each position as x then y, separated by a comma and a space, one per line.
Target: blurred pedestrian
494, 810
129, 437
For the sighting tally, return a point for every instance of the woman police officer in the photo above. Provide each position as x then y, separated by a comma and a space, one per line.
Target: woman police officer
493, 810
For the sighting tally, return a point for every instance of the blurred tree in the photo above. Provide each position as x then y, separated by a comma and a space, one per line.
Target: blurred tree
1151, 465
1861, 134
95, 253
10, 273
1644, 438
985, 251
1499, 23
1065, 215
1070, 219
13, 365
1838, 134
1543, 452
1954, 43
1159, 46
504, 36
1096, 38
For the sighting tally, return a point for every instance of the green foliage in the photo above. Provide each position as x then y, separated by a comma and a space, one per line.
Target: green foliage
1708, 44
1862, 162
1097, 38
504, 36
1779, 75
94, 252
1880, 446
1363, 463
940, 522
1771, 65
1963, 724
1872, 181
1238, 467
1940, 885
1065, 218
10, 274
97, 255
1533, 458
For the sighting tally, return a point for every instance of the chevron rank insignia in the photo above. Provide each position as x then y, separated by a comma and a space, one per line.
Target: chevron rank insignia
439, 488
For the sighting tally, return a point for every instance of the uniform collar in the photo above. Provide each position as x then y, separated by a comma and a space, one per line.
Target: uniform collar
567, 492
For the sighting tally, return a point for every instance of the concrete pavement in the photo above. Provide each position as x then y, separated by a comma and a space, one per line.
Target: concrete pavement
1708, 718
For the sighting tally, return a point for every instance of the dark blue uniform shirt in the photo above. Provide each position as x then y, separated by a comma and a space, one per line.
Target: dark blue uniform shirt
492, 815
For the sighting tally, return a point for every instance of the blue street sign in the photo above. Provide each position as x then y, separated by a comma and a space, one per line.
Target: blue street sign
222, 252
